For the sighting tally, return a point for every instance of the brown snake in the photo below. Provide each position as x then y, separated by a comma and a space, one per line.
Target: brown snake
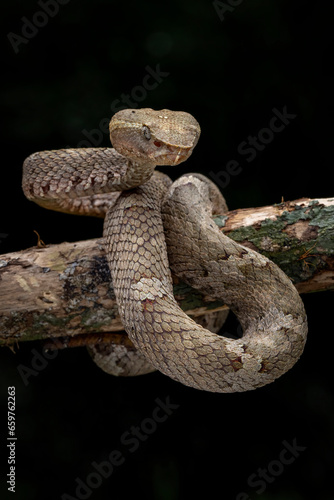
266, 303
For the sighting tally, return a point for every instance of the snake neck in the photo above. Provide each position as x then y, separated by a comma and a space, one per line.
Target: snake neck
137, 173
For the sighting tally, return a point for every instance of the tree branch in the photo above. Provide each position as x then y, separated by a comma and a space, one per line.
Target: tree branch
64, 292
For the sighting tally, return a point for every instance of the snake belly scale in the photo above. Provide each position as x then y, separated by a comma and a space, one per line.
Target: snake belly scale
152, 225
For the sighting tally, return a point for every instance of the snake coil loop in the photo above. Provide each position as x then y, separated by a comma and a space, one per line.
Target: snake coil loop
269, 308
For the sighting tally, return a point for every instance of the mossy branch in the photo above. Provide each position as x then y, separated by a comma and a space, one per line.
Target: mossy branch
64, 292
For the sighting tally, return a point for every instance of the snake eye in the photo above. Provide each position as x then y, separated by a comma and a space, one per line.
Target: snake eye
146, 132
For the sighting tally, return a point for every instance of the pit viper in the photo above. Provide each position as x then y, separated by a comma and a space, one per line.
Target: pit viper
151, 226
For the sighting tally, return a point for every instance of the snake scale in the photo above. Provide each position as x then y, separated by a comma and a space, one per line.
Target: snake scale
152, 226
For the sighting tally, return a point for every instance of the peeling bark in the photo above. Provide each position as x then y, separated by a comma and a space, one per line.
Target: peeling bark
298, 236
64, 292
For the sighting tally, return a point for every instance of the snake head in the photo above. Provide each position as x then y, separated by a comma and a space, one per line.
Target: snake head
162, 137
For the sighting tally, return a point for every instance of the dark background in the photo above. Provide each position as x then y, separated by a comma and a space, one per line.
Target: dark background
230, 73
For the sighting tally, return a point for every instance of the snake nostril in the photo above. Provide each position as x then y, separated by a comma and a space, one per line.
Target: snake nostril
157, 144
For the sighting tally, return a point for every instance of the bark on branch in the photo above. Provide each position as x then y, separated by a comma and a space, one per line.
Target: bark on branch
64, 292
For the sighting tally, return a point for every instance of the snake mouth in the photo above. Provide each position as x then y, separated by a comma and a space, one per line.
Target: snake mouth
174, 156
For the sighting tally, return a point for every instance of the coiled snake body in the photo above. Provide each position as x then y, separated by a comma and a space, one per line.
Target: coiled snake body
266, 303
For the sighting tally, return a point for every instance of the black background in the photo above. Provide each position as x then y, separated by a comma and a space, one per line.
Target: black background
229, 73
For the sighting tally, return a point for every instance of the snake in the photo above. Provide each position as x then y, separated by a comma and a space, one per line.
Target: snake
153, 227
